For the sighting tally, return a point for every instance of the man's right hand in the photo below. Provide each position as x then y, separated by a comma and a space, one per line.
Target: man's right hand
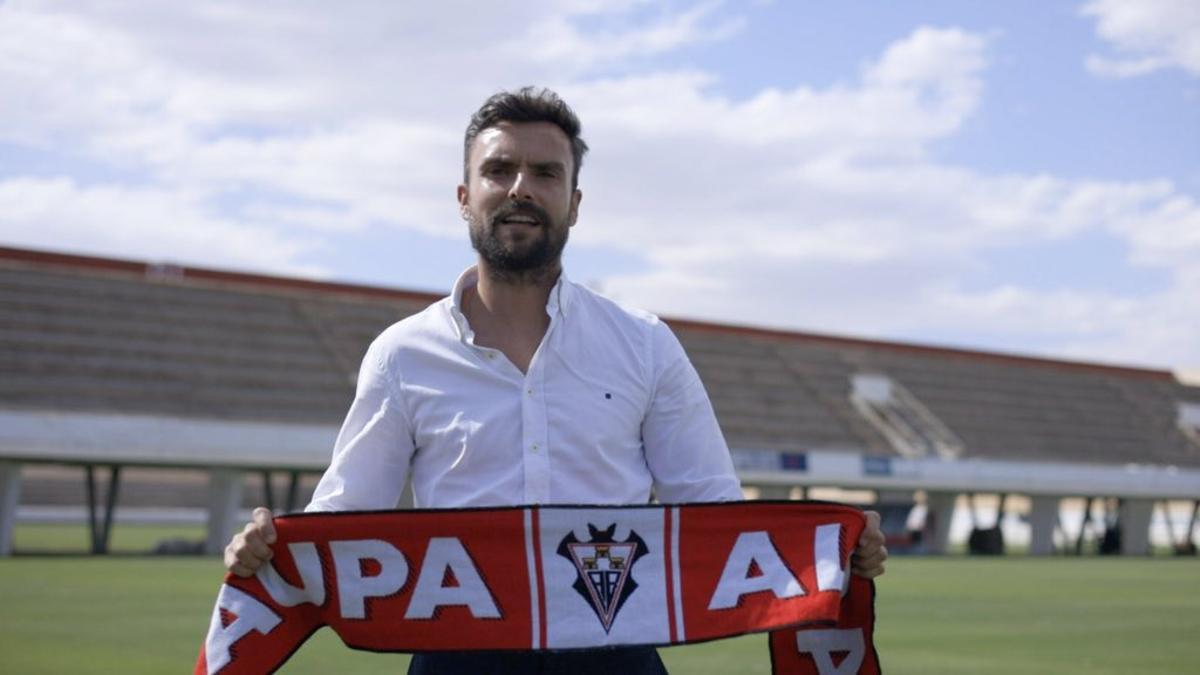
249, 548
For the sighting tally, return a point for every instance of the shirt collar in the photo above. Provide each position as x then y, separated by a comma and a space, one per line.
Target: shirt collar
560, 296
556, 304
467, 279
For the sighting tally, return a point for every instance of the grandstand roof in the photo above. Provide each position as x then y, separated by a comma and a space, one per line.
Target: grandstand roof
101, 335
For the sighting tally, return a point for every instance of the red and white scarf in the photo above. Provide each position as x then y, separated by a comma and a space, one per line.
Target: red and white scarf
556, 577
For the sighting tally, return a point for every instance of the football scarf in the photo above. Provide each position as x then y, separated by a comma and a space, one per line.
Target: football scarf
553, 578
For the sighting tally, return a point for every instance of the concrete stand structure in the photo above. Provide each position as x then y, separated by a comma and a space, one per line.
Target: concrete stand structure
10, 497
774, 491
1043, 518
224, 504
107, 364
1134, 517
940, 512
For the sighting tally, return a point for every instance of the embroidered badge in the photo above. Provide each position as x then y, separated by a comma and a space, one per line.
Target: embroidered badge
603, 567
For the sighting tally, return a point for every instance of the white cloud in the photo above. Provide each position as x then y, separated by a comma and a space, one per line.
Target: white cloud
885, 254
144, 223
820, 209
257, 134
345, 109
558, 39
1148, 35
1123, 68
922, 88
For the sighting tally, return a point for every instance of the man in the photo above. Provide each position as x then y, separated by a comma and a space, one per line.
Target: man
523, 387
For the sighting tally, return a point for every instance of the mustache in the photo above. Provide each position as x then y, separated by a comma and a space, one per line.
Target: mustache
513, 208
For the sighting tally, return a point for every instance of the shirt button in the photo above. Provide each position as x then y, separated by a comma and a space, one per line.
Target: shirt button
534, 447
529, 391
491, 355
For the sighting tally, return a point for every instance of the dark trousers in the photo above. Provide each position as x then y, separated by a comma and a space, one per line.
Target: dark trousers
620, 661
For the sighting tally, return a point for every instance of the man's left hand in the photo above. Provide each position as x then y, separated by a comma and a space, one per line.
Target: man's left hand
870, 554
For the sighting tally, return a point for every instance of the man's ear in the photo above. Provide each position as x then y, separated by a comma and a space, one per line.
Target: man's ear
574, 213
463, 210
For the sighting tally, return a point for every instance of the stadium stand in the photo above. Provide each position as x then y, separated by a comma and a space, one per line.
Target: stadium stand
118, 364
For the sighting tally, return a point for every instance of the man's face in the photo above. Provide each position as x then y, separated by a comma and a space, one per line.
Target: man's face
518, 199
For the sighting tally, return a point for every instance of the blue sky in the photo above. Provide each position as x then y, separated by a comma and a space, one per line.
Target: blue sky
1016, 176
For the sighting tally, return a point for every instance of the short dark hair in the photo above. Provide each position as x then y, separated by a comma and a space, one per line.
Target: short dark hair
527, 104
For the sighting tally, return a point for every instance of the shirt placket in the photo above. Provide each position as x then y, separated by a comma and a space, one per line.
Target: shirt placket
535, 434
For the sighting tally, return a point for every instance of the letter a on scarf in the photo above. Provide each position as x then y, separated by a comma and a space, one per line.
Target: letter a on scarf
556, 578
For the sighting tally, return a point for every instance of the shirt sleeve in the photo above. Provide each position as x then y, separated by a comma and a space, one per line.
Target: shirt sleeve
685, 449
374, 447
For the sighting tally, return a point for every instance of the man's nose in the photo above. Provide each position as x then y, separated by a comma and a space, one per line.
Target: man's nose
520, 187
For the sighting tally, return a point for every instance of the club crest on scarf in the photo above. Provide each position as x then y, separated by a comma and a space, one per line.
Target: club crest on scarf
603, 567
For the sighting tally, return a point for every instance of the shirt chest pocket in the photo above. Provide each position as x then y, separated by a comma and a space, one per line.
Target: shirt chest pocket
600, 416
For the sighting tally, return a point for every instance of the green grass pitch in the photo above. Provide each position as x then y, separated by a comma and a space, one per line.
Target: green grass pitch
135, 614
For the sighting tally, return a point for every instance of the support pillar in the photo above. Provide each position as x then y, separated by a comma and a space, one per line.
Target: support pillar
1134, 516
939, 511
293, 491
100, 524
269, 493
1043, 518
224, 503
774, 491
904, 497
10, 498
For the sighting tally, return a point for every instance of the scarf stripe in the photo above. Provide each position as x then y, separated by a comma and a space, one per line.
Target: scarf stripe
535, 596
671, 550
556, 577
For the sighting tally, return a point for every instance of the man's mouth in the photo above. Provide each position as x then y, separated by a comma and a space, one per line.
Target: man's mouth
519, 219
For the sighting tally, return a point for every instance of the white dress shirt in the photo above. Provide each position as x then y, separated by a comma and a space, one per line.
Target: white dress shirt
609, 409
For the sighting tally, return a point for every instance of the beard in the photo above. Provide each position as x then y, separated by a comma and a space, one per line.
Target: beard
531, 258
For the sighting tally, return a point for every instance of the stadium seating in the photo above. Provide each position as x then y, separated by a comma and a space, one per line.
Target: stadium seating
157, 344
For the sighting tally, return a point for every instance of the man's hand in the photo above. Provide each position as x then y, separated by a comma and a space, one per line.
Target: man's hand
870, 554
248, 549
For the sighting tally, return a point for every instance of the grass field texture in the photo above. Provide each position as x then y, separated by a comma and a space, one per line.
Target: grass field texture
142, 614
